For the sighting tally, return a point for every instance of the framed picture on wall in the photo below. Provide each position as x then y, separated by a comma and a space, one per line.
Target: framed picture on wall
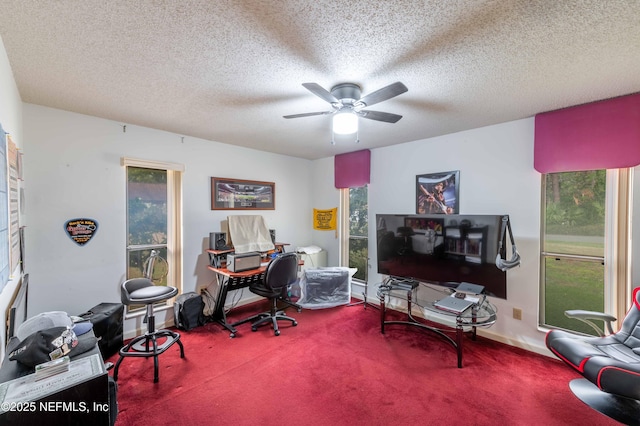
437, 193
237, 194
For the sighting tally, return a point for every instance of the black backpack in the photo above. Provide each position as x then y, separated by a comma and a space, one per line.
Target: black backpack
188, 310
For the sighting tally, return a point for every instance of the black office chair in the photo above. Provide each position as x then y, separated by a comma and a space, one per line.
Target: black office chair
142, 291
280, 274
609, 363
404, 241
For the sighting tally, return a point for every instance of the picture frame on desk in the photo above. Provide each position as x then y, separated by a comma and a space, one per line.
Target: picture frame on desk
438, 193
238, 194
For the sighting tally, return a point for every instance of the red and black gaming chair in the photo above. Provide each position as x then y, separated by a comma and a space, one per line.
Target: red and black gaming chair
610, 363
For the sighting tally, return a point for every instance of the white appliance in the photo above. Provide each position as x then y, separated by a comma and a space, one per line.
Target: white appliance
313, 260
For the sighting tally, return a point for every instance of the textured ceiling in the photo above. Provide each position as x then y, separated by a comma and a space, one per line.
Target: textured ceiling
228, 70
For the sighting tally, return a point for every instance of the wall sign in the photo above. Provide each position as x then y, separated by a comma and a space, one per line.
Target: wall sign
325, 220
81, 231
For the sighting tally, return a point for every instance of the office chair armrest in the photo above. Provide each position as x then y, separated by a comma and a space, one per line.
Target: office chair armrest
587, 316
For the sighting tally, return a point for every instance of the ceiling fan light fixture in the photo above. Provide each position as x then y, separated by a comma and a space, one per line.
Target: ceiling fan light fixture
345, 123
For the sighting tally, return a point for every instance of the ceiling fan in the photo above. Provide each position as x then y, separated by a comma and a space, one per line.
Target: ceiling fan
347, 104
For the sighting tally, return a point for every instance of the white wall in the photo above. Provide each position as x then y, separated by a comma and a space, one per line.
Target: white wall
74, 171
496, 177
325, 196
11, 120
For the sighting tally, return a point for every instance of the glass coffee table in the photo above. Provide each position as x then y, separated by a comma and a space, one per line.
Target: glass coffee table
424, 296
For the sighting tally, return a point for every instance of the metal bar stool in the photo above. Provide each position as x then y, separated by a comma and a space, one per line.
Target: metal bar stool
142, 291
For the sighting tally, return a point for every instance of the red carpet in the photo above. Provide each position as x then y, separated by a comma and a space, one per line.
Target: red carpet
336, 367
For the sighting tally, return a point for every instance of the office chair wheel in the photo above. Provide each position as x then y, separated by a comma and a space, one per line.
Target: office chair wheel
277, 332
232, 335
254, 328
294, 323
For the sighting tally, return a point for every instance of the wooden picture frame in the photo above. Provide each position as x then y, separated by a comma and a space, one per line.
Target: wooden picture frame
438, 193
238, 194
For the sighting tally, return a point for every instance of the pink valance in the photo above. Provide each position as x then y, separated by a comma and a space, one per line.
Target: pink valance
598, 135
353, 169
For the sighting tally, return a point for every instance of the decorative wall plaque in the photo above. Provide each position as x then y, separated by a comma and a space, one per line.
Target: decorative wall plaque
81, 231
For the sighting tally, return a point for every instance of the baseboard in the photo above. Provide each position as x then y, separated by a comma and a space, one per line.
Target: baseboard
169, 322
540, 350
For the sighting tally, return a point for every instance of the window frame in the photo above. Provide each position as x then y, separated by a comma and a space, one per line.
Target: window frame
345, 236
617, 265
174, 217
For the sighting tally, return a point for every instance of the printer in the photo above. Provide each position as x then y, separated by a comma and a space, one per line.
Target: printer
238, 262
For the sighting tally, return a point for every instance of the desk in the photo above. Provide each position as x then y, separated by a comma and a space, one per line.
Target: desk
218, 258
481, 315
228, 280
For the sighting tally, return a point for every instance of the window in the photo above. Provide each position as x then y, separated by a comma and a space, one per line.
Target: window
583, 230
154, 221
355, 230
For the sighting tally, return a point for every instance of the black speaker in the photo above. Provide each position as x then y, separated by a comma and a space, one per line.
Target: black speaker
272, 232
217, 240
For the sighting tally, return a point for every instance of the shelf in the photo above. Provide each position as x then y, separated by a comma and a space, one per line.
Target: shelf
466, 243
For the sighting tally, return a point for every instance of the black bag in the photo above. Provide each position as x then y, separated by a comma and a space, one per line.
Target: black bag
107, 326
188, 311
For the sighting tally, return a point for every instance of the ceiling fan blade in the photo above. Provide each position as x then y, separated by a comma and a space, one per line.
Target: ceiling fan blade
387, 117
308, 114
383, 94
320, 92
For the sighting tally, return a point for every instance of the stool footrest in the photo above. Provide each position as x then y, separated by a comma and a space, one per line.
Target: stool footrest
138, 346
154, 351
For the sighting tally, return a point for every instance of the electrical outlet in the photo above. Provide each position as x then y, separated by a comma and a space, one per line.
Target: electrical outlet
517, 313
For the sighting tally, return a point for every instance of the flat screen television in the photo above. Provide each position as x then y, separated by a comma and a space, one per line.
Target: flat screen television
442, 249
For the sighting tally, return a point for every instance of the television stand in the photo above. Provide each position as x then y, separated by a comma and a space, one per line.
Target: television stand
483, 314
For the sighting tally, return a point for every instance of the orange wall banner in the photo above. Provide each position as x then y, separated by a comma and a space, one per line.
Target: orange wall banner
325, 220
